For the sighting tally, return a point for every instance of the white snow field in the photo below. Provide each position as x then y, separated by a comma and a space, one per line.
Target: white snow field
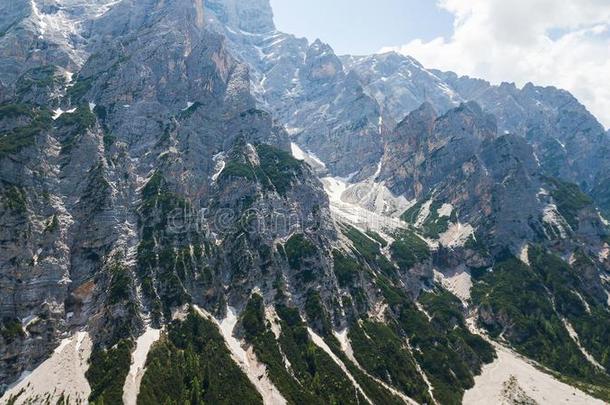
63, 374
490, 386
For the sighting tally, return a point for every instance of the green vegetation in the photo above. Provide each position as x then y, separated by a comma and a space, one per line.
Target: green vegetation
234, 168
166, 261
315, 380
364, 245
590, 318
192, 365
279, 166
277, 171
410, 216
14, 199
258, 333
382, 353
80, 89
11, 330
378, 238
80, 120
409, 249
569, 199
370, 250
301, 254
15, 111
121, 284
394, 296
316, 314
97, 194
434, 224
191, 110
107, 372
372, 388
349, 273
53, 224
444, 348
447, 352
43, 77
12, 400
523, 305
346, 269
298, 249
14, 140
109, 140
77, 122
315, 370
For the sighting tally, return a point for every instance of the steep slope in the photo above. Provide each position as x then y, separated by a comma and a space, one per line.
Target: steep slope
568, 141
306, 87
160, 243
488, 200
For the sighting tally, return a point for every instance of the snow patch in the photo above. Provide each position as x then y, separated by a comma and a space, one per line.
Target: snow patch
460, 284
345, 209
604, 253
424, 213
552, 217
457, 235
524, 255
62, 374
489, 386
220, 164
445, 211
308, 157
57, 113
375, 197
131, 389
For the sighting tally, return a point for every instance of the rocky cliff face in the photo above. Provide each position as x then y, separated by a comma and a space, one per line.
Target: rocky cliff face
307, 88
148, 193
569, 142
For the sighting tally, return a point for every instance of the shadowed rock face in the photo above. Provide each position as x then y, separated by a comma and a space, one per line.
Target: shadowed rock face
569, 142
308, 89
157, 98
492, 181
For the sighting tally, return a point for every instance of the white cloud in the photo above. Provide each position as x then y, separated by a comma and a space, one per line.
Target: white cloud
548, 42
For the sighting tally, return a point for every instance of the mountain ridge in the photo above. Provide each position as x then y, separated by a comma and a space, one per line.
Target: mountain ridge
147, 184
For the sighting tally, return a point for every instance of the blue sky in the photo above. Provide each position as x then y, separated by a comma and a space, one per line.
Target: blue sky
362, 26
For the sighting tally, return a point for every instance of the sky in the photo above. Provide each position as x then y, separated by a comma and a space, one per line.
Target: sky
362, 27
563, 43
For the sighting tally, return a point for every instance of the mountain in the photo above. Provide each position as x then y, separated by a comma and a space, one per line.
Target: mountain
196, 207
569, 142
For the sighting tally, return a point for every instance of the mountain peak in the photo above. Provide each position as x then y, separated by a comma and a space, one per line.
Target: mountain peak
253, 16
